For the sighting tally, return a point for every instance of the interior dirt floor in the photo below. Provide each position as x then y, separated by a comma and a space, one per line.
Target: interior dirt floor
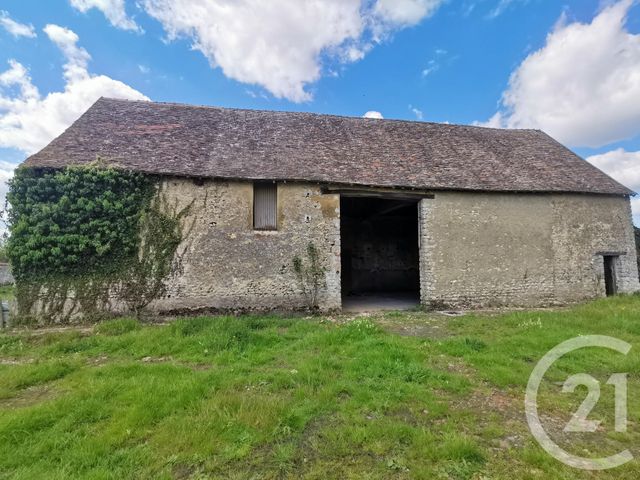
380, 301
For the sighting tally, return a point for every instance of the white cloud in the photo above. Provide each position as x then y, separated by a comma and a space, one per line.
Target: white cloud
28, 120
621, 165
144, 69
15, 28
624, 167
417, 112
373, 114
282, 45
6, 173
502, 6
114, 10
635, 207
431, 67
17, 76
406, 12
75, 69
583, 86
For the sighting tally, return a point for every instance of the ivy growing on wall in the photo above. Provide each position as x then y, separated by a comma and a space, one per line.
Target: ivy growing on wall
82, 235
310, 275
162, 229
68, 222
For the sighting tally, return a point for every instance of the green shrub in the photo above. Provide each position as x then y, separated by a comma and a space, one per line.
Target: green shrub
81, 234
73, 221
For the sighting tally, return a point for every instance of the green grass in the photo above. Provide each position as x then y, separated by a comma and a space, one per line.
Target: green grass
274, 397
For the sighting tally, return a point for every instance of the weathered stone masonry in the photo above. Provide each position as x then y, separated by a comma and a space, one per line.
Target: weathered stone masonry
490, 249
228, 265
476, 249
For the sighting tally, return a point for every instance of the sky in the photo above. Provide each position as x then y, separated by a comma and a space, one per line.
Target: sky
570, 68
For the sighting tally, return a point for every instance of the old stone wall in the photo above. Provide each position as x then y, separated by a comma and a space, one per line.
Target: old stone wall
526, 250
6, 277
229, 266
476, 249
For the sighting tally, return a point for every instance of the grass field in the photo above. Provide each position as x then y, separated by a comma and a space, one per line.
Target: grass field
396, 395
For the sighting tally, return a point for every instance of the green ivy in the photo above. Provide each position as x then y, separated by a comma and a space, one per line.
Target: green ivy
310, 275
81, 235
73, 221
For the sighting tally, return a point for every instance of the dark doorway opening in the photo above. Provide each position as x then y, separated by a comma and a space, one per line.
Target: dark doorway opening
380, 253
610, 282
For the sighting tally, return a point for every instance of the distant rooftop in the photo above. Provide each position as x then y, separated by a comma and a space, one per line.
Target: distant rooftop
211, 142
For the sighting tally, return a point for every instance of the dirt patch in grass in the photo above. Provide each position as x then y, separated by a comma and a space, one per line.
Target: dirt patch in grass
309, 439
16, 361
157, 360
173, 361
587, 444
98, 361
415, 324
182, 471
30, 396
82, 329
491, 404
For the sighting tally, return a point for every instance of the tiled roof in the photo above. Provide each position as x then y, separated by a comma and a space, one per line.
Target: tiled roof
183, 140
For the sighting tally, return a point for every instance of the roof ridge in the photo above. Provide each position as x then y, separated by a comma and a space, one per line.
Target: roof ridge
220, 142
315, 114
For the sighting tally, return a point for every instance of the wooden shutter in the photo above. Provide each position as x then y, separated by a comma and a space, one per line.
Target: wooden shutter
265, 206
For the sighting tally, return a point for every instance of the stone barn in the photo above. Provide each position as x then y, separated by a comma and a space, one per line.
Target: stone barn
448, 216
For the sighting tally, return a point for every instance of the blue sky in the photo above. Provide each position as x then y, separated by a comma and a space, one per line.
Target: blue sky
574, 65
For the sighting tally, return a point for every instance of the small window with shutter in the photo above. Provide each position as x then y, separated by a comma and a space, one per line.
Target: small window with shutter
265, 206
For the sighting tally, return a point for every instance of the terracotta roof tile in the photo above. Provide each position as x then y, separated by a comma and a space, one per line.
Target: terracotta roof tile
183, 140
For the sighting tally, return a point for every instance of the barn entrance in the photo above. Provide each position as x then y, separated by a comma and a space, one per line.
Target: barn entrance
380, 253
